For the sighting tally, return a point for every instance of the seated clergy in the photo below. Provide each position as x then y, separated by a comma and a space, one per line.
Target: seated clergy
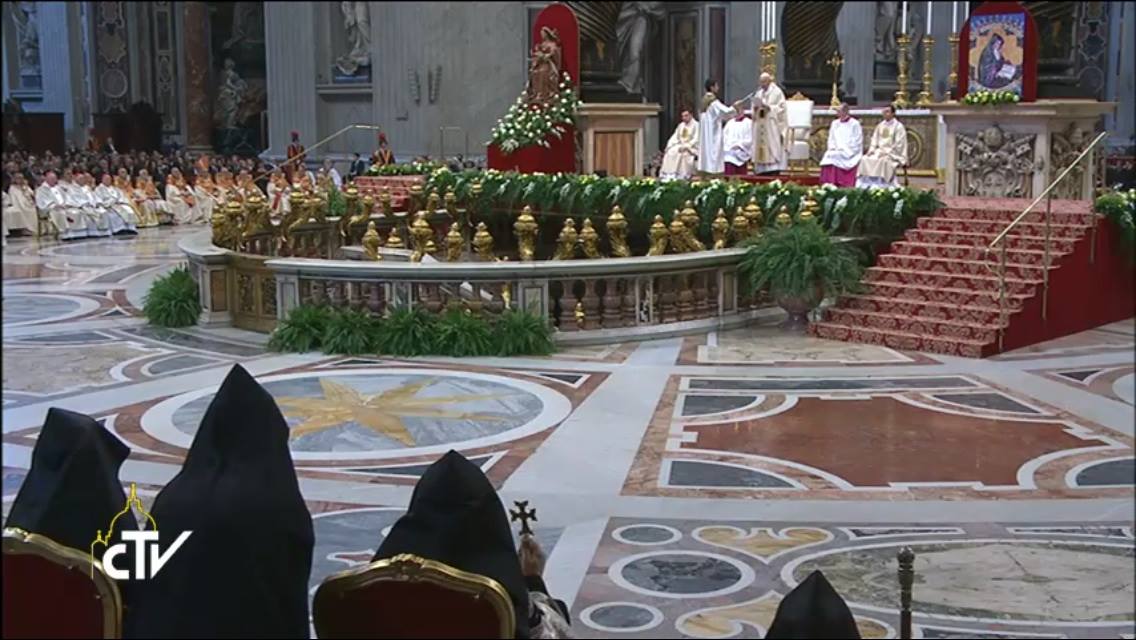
737, 143
681, 155
85, 187
886, 153
243, 571
202, 190
136, 199
20, 207
161, 208
183, 204
456, 518
65, 207
278, 191
114, 203
845, 146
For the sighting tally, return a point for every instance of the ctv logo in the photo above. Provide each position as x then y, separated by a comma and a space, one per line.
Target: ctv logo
148, 557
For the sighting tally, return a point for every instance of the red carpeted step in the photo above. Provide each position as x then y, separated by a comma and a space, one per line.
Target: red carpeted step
964, 267
917, 325
946, 295
983, 240
1005, 217
902, 340
986, 314
1014, 286
992, 229
974, 254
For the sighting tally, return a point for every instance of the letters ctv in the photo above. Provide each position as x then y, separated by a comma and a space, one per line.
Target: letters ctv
134, 555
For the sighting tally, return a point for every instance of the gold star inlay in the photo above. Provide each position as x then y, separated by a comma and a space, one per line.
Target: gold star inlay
381, 412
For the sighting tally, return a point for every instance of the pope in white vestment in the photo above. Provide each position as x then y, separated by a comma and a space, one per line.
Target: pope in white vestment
770, 125
51, 199
681, 155
845, 147
737, 143
710, 158
886, 153
19, 207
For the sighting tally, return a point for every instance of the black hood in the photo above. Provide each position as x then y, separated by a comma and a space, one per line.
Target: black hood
813, 610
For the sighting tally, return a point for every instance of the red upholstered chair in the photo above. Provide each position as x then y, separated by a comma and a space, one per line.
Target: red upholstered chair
52, 591
409, 597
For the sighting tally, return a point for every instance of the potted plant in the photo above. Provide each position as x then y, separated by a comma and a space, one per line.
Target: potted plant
799, 266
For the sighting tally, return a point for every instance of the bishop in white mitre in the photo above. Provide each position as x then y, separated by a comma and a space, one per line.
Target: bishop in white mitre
845, 146
770, 125
886, 153
710, 158
681, 154
737, 143
51, 200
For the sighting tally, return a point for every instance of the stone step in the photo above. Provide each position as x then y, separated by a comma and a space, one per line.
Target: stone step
983, 240
991, 229
974, 254
963, 267
902, 340
919, 325
950, 280
987, 314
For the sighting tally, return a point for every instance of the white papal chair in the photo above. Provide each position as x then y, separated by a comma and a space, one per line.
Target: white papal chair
799, 117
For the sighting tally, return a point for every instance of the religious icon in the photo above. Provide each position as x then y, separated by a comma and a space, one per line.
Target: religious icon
544, 68
997, 45
523, 513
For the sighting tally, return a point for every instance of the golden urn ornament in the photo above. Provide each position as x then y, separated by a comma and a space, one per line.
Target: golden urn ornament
689, 215
566, 241
783, 217
719, 229
371, 242
525, 229
432, 202
364, 212
753, 214
257, 219
809, 207
450, 201
590, 240
617, 233
678, 236
421, 235
415, 195
658, 236
386, 207
483, 243
455, 244
394, 239
740, 226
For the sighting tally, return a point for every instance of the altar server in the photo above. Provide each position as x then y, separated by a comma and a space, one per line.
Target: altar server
845, 146
19, 207
770, 125
886, 153
710, 158
681, 154
737, 143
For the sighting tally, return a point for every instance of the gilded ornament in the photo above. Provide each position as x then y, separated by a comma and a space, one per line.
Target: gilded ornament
455, 244
590, 240
678, 236
525, 228
258, 219
507, 296
483, 243
658, 236
371, 242
580, 316
617, 233
386, 207
394, 240
740, 227
420, 235
809, 207
753, 214
451, 204
432, 202
719, 229
566, 241
415, 195
689, 215
364, 212
783, 218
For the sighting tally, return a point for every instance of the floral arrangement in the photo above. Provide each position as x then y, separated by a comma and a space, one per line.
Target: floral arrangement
987, 97
1119, 206
408, 169
531, 124
884, 212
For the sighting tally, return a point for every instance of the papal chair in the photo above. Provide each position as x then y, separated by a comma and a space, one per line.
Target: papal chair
799, 118
53, 591
410, 597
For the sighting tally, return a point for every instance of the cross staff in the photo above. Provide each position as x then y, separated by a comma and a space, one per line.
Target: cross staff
524, 514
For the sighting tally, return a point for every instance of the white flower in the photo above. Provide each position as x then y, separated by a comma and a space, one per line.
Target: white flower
841, 203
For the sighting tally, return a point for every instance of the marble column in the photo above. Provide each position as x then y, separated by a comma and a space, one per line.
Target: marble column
290, 55
199, 111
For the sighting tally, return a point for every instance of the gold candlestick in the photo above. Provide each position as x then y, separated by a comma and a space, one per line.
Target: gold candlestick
835, 61
927, 95
952, 79
902, 44
769, 58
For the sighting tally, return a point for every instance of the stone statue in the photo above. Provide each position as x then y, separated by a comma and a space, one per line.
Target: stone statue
455, 244
371, 242
739, 227
231, 91
421, 235
658, 236
995, 164
590, 240
544, 68
719, 229
1065, 146
617, 233
525, 229
357, 25
887, 16
566, 241
483, 243
27, 38
632, 30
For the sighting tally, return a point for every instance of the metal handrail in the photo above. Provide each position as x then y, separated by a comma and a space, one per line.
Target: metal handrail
1047, 195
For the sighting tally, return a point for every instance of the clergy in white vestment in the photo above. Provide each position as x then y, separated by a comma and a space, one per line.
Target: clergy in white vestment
710, 158
886, 153
278, 190
737, 143
845, 146
51, 199
122, 216
333, 173
20, 208
83, 202
770, 126
204, 193
681, 155
180, 197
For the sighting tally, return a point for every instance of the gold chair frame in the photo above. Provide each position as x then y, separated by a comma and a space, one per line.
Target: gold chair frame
408, 567
20, 542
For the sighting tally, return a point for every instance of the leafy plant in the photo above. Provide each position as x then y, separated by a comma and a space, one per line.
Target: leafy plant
303, 330
351, 332
1120, 207
988, 97
336, 203
173, 300
406, 332
518, 333
459, 333
800, 261
406, 169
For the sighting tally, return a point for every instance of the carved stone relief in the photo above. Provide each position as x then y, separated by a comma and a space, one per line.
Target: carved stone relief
112, 60
27, 45
165, 66
1064, 147
995, 164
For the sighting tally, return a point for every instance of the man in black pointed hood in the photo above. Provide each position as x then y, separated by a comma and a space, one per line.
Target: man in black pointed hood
243, 572
813, 610
455, 517
72, 491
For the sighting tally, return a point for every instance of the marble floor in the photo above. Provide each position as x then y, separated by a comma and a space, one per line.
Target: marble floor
682, 486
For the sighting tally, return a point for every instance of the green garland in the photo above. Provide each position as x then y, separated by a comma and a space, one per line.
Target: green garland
530, 124
871, 212
408, 169
1120, 207
991, 98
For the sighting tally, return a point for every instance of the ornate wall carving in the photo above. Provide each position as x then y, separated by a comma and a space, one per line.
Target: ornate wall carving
27, 46
684, 61
112, 57
1064, 147
1073, 47
165, 81
996, 164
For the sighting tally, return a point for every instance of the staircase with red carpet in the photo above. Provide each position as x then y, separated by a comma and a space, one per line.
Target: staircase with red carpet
937, 291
